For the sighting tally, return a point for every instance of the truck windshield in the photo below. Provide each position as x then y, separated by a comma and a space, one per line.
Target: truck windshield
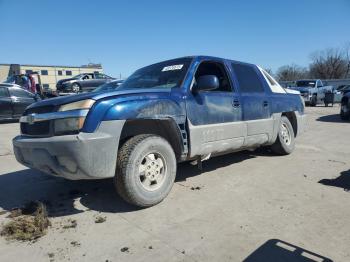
168, 74
306, 83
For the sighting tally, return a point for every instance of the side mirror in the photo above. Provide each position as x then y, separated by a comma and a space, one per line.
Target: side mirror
206, 83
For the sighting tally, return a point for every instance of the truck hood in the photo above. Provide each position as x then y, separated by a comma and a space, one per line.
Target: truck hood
301, 89
57, 101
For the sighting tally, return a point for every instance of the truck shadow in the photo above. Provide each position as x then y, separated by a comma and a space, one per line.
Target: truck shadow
335, 118
186, 170
342, 181
9, 121
278, 250
64, 197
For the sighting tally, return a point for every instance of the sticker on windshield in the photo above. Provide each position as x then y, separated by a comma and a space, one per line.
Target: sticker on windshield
172, 68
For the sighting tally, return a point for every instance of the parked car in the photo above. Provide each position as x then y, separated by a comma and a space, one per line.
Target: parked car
344, 89
14, 100
313, 91
345, 106
110, 86
82, 82
185, 109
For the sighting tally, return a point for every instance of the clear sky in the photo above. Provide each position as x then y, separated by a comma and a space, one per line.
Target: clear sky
126, 35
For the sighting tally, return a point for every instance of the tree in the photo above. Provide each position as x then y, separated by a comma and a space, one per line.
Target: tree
291, 73
347, 55
331, 63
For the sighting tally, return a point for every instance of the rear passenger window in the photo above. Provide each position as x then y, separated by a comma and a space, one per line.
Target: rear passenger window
248, 79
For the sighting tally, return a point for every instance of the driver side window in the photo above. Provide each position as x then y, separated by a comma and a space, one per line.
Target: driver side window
217, 69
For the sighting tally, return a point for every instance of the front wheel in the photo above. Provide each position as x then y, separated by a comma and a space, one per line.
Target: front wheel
313, 101
146, 170
285, 142
344, 112
75, 88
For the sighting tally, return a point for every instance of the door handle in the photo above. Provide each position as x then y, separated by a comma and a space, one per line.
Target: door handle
265, 104
236, 103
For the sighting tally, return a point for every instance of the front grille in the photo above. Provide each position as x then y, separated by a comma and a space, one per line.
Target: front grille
36, 129
40, 110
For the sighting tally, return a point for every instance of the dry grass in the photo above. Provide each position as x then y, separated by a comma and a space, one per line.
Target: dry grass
72, 223
27, 223
100, 219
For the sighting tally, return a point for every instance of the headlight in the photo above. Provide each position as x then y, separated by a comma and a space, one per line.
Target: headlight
68, 125
83, 104
72, 125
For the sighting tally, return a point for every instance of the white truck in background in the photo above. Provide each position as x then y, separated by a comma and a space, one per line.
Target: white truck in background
313, 91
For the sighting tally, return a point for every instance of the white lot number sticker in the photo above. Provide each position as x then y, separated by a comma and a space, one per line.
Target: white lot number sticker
172, 68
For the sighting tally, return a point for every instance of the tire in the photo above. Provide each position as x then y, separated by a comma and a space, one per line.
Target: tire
76, 88
285, 142
136, 157
344, 115
313, 101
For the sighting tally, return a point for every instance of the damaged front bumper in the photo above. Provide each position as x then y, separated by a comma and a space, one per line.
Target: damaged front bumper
81, 156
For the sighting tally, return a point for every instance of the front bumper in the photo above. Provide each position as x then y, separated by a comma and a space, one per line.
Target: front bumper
306, 96
81, 156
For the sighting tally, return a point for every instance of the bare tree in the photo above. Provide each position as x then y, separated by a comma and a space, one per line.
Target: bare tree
291, 73
329, 64
347, 57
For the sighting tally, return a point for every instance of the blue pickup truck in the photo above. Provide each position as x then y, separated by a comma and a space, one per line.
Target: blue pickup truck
185, 109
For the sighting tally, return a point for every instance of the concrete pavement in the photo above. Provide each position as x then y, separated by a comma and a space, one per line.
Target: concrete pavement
240, 204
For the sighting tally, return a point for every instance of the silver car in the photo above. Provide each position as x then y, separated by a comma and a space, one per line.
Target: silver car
83, 82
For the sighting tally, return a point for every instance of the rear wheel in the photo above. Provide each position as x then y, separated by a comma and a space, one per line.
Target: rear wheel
285, 142
146, 169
